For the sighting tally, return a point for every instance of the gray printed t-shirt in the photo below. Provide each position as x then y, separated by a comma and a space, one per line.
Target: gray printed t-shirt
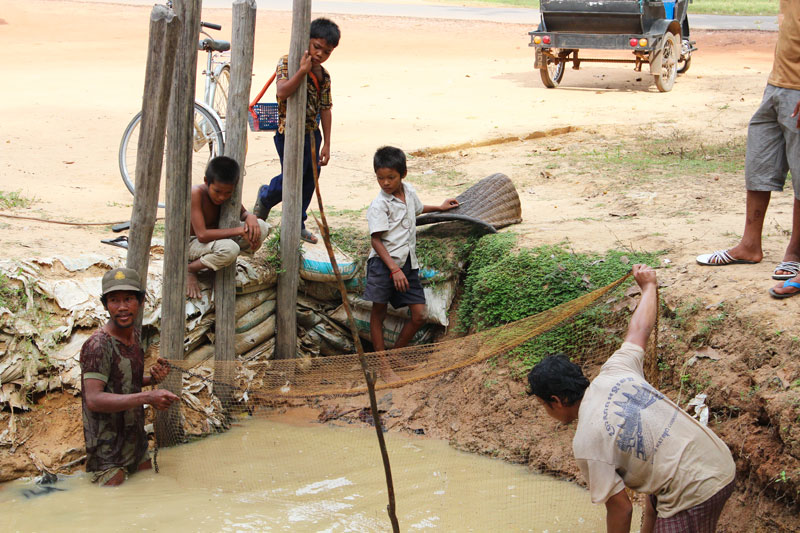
398, 222
629, 434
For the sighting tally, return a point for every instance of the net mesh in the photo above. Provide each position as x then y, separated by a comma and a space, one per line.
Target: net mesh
270, 380
309, 476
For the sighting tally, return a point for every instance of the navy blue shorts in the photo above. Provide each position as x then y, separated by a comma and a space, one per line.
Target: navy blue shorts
380, 287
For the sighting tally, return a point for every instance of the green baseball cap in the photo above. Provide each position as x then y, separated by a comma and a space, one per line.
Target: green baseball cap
121, 279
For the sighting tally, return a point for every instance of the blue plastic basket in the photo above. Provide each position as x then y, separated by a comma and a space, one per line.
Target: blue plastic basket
263, 117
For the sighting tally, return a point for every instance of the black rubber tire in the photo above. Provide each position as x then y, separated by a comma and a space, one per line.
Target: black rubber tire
208, 142
552, 73
670, 53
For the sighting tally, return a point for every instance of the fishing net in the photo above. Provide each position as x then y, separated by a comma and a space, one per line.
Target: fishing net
330, 474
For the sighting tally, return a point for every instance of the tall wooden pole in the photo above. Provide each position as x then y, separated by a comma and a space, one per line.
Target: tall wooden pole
162, 43
243, 37
176, 227
292, 211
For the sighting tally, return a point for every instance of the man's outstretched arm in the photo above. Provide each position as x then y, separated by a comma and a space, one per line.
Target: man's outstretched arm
644, 318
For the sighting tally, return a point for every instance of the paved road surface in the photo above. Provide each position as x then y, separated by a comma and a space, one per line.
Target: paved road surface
493, 14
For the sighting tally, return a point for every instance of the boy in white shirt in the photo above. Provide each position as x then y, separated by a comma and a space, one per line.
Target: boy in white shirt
392, 267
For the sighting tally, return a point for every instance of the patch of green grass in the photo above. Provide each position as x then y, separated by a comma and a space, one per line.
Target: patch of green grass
443, 180
354, 242
11, 199
446, 248
272, 248
676, 155
716, 7
32, 309
158, 229
12, 294
504, 285
347, 213
709, 325
734, 7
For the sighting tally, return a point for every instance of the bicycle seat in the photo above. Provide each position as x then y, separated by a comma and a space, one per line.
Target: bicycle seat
209, 44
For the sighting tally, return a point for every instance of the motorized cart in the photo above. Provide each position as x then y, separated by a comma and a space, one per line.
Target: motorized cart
655, 31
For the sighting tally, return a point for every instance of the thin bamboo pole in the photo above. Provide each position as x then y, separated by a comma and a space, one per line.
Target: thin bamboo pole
369, 375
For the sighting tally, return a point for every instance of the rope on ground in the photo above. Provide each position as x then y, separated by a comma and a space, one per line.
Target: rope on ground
36, 219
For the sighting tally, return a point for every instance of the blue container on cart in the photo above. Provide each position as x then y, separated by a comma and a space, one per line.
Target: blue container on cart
669, 9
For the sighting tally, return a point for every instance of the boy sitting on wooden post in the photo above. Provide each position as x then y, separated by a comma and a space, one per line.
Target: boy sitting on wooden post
392, 267
212, 247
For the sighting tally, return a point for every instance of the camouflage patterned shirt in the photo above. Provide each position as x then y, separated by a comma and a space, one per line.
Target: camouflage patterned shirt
113, 439
315, 100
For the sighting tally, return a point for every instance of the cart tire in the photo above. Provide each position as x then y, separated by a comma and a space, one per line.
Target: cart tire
552, 73
683, 64
670, 54
686, 57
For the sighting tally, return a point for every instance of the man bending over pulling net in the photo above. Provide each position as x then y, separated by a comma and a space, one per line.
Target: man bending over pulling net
631, 435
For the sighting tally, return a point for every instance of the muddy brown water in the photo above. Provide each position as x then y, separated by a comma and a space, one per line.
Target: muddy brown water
270, 476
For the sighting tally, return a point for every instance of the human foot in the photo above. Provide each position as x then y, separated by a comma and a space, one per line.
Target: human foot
192, 285
787, 289
728, 257
786, 270
308, 236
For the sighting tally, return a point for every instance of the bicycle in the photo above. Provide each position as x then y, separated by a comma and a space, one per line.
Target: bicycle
209, 117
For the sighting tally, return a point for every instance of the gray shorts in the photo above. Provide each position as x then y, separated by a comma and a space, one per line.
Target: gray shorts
380, 287
773, 142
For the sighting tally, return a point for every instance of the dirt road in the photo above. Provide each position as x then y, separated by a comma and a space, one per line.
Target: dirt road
415, 83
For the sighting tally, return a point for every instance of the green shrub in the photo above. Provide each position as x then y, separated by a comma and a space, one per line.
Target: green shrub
503, 286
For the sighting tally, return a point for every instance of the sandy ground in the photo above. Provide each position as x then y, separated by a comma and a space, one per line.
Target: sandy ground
78, 78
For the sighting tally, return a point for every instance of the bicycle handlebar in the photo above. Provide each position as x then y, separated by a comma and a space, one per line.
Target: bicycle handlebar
210, 25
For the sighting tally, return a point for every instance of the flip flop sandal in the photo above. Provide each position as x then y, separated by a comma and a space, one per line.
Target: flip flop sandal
307, 236
786, 283
122, 241
722, 258
789, 266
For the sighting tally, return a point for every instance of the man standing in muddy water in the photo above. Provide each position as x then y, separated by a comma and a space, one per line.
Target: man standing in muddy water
112, 377
631, 435
773, 149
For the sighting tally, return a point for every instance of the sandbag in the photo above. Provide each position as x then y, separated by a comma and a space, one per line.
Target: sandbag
255, 316
323, 291
438, 299
246, 302
391, 326
315, 265
243, 342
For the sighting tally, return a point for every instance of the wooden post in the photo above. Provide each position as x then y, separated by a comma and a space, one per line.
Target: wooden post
242, 41
176, 227
292, 210
163, 41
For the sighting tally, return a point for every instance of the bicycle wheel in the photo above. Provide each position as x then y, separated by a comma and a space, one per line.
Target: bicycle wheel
222, 84
208, 142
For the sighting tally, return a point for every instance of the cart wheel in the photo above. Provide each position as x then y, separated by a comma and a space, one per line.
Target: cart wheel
686, 57
670, 54
552, 73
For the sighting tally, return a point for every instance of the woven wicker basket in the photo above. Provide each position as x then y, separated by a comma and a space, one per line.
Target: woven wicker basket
493, 203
